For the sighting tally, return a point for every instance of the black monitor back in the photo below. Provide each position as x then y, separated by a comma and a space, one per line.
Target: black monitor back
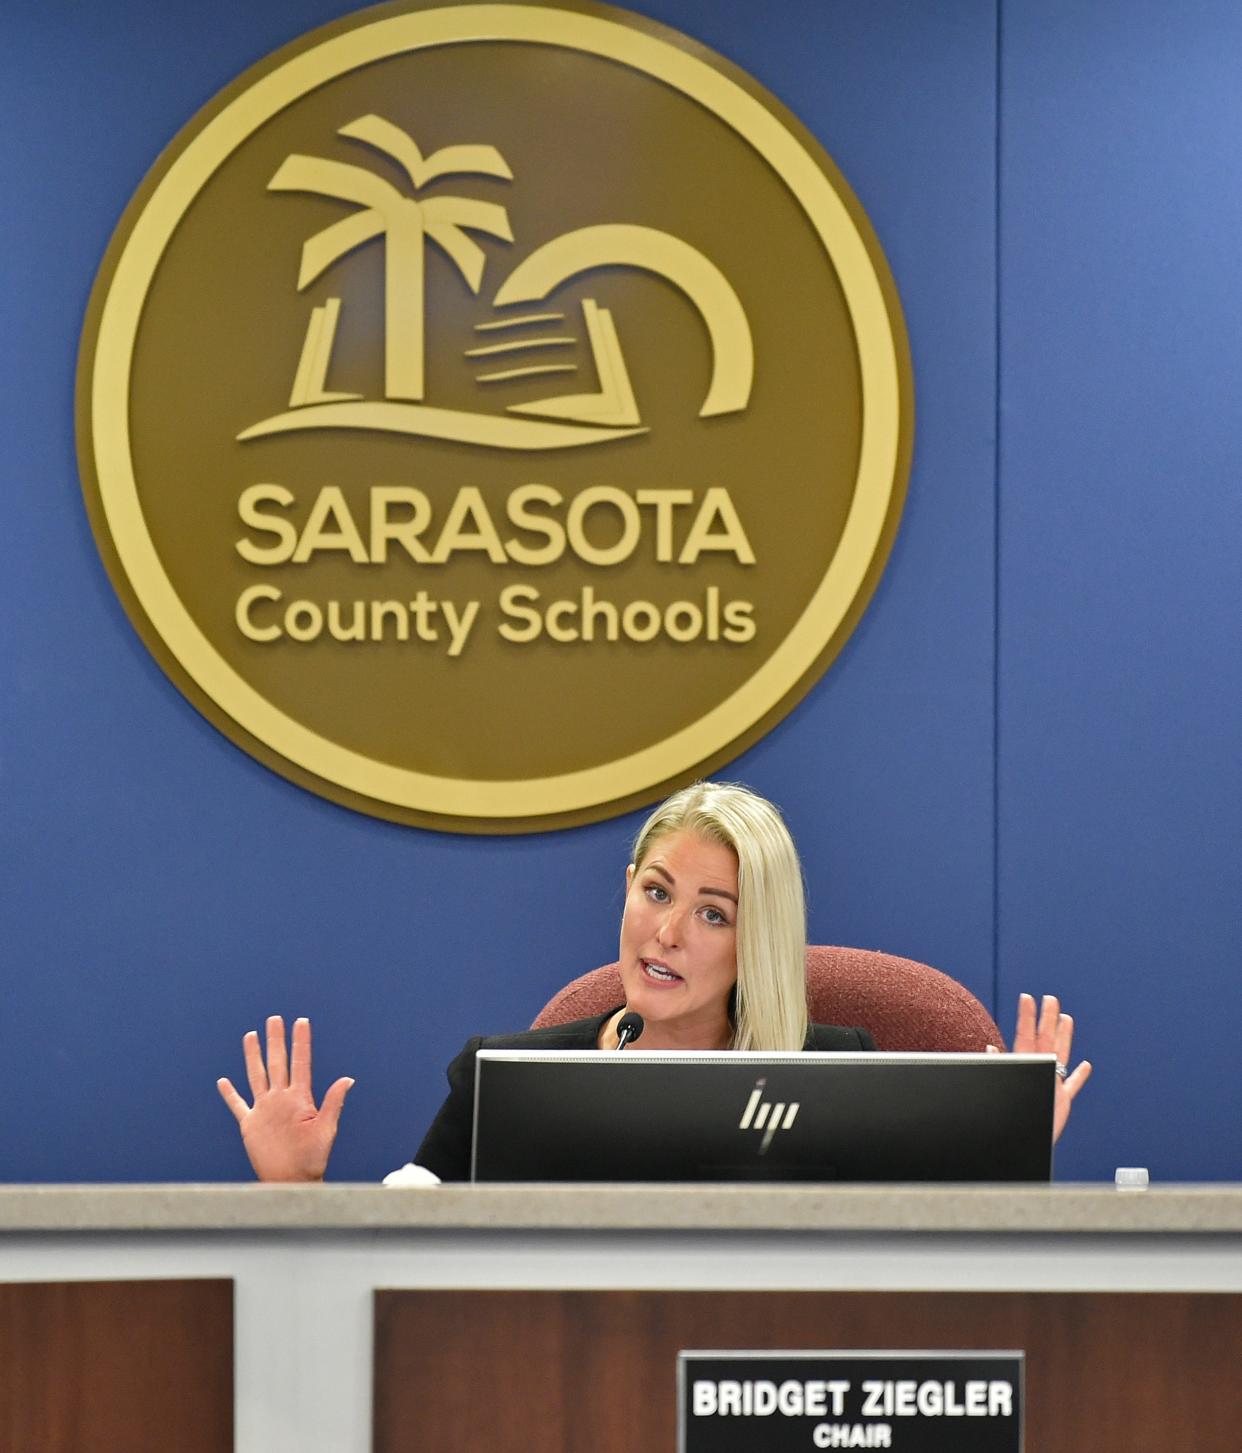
701, 1116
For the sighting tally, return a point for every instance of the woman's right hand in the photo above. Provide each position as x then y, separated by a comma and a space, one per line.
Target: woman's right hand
286, 1137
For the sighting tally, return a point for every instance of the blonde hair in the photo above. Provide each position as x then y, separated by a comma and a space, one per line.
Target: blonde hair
770, 998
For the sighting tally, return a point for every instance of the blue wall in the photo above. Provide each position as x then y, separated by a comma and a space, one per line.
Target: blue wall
1024, 767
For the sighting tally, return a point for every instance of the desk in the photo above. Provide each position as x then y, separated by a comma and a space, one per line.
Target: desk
306, 1259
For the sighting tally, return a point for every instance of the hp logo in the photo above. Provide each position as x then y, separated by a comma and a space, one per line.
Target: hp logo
761, 1114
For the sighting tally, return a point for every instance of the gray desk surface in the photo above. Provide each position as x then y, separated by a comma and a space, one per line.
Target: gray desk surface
1061, 1209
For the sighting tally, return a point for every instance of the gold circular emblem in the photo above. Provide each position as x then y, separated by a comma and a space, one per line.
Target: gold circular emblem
494, 415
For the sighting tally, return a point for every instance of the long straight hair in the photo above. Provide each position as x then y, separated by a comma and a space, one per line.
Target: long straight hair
769, 1003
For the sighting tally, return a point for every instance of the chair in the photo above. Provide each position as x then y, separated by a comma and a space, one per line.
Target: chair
905, 1005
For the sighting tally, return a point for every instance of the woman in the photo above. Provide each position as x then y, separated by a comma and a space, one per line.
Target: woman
712, 956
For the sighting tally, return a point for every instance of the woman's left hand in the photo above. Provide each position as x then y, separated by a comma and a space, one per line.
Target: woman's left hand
1051, 1032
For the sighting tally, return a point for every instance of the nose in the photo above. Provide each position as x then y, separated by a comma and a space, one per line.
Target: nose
669, 932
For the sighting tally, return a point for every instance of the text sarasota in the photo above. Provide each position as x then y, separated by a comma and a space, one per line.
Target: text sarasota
535, 526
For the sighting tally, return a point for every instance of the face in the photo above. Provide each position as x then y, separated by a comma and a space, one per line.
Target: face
679, 941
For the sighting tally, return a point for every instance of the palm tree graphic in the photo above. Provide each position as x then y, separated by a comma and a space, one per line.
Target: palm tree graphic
405, 223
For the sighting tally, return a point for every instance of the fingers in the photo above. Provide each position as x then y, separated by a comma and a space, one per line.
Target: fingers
1078, 1079
233, 1100
1064, 1038
1047, 1031
300, 1059
1049, 1018
255, 1073
277, 1059
1024, 1029
334, 1102
1051, 1032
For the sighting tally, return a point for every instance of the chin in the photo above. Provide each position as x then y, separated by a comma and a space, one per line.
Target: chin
655, 1006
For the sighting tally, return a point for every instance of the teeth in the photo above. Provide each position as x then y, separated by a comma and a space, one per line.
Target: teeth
658, 972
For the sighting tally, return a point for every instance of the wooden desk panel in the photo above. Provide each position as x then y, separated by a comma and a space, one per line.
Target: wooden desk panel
594, 1371
130, 1366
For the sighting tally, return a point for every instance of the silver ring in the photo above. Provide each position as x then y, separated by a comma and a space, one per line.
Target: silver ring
1062, 1071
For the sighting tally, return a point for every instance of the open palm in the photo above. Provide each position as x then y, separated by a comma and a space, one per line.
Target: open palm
286, 1137
1051, 1032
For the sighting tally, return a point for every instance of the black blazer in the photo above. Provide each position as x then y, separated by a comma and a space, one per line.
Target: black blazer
446, 1146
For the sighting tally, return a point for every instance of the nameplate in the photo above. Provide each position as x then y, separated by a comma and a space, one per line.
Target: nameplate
796, 1402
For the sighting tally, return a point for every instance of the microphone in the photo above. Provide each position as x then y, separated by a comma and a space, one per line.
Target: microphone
630, 1027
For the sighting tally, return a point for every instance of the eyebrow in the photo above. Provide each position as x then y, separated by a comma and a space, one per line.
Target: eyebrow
714, 892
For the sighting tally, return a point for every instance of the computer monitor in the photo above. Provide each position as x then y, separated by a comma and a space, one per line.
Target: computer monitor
587, 1115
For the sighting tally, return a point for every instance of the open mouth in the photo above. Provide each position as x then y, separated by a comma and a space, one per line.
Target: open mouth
660, 973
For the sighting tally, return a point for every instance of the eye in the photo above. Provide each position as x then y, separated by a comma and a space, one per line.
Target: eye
715, 917
657, 892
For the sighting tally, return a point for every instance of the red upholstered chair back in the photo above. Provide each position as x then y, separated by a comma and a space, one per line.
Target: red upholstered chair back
905, 1005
